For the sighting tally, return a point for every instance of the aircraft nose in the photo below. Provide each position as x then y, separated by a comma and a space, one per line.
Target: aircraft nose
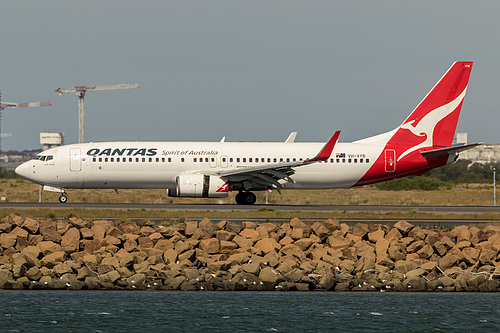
23, 170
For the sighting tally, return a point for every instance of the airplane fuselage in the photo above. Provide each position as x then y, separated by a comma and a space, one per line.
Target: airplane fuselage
156, 165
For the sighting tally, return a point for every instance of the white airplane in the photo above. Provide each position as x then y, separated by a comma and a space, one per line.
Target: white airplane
212, 169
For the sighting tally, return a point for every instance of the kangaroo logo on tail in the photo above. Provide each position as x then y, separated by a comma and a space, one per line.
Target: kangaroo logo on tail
433, 122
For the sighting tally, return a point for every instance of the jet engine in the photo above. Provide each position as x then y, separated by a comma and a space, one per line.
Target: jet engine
200, 186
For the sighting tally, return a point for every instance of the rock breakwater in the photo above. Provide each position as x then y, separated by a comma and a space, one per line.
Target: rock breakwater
327, 255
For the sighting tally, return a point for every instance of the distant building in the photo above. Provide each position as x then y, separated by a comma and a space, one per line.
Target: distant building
51, 140
487, 153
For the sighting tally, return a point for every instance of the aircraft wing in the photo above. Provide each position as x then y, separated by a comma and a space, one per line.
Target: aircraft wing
269, 175
449, 150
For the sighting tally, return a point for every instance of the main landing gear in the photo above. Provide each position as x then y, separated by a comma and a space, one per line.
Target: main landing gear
245, 198
63, 198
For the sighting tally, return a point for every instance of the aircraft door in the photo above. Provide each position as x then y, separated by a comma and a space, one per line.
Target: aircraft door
390, 160
75, 162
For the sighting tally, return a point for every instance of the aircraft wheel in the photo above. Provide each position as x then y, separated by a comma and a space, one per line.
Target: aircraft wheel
238, 198
63, 198
245, 198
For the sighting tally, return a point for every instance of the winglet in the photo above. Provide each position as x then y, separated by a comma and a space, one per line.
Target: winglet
327, 149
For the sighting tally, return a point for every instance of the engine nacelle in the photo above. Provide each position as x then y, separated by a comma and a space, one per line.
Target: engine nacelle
200, 186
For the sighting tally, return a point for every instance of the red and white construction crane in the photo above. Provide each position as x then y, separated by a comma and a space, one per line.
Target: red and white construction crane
6, 105
81, 91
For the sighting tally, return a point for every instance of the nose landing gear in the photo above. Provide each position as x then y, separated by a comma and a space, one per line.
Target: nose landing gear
63, 198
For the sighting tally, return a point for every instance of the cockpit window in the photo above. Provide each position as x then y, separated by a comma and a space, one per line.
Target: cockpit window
44, 157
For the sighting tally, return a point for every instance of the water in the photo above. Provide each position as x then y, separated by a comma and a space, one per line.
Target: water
125, 311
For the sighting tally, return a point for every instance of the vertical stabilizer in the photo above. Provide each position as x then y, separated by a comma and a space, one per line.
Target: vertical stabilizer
433, 123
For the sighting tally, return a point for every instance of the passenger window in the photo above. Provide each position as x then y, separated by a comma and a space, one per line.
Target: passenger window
230, 159
170, 159
100, 159
130, 159
343, 160
281, 159
137, 159
223, 159
338, 160
244, 159
238, 159
288, 159
349, 160
112, 159
182, 159
150, 159
118, 159
360, 160
331, 160
250, 160
367, 161
157, 159
355, 160
105, 159
268, 160
144, 159
194, 160
212, 159
163, 159
94, 159
294, 159
275, 160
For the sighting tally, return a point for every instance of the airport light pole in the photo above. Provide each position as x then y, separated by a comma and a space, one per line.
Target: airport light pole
494, 188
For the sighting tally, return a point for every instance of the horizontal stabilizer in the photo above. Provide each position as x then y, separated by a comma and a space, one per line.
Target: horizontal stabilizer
449, 150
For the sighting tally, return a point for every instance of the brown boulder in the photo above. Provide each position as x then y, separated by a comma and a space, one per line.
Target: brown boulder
170, 256
267, 245
297, 223
31, 225
360, 230
145, 243
210, 245
52, 259
393, 235
242, 242
129, 228
304, 243
227, 246
404, 227
268, 274
250, 234
7, 240
321, 230
332, 225
426, 252
49, 232
70, 242
375, 236
49, 247
208, 226
447, 261
92, 246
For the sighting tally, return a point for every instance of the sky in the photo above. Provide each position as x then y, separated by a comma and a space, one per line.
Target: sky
247, 70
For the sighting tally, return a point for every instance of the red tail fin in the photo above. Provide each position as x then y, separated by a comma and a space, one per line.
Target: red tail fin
433, 122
